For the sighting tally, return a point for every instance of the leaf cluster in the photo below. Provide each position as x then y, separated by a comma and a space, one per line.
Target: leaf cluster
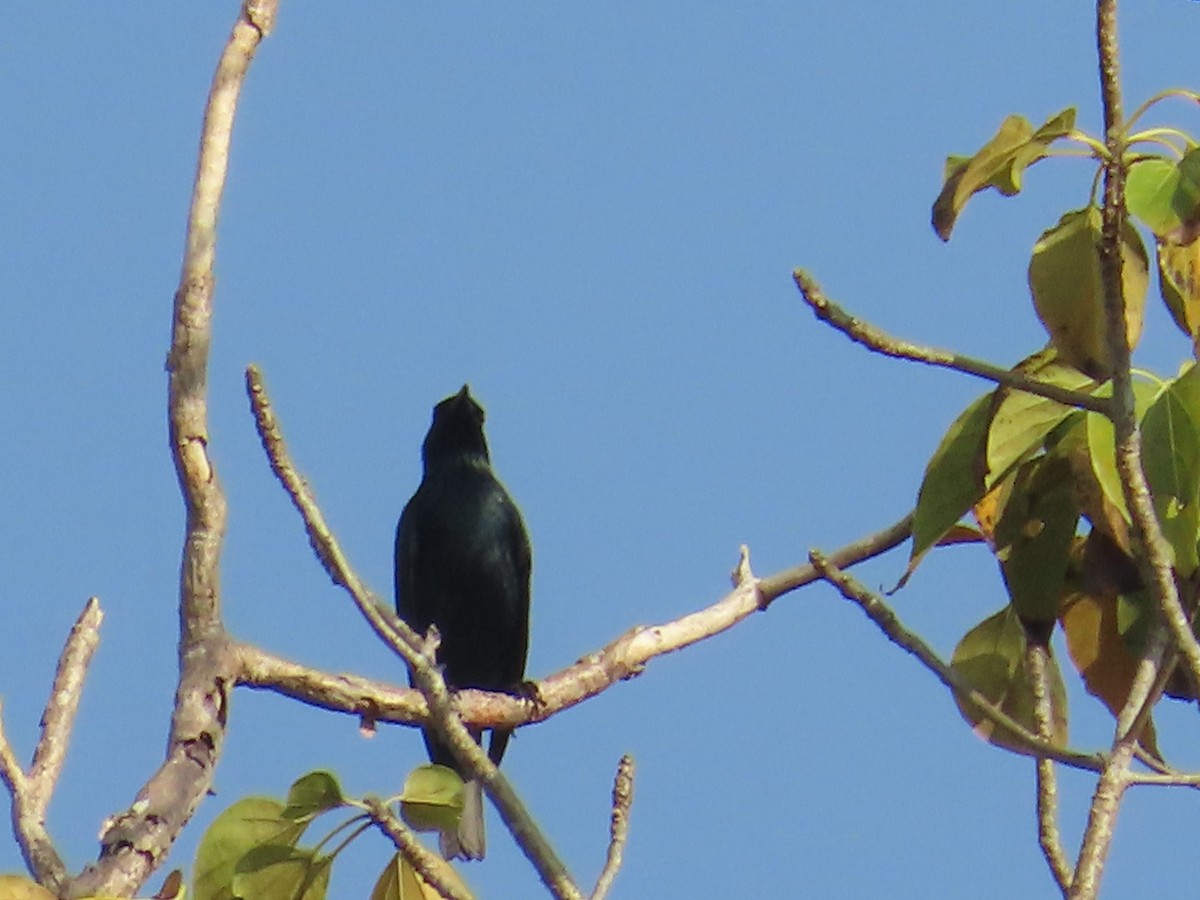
252, 850
1036, 479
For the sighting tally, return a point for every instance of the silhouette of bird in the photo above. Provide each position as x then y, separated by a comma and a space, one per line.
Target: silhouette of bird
462, 563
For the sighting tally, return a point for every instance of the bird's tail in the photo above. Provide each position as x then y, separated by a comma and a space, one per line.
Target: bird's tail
470, 841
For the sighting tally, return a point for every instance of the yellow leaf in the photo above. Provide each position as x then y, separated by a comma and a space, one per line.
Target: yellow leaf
401, 881
1179, 280
1099, 653
18, 887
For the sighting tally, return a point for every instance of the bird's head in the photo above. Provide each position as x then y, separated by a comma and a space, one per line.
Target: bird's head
456, 432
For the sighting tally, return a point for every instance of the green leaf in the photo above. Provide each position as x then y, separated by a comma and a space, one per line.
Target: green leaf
999, 164
313, 794
1164, 194
1064, 278
991, 657
1135, 613
1186, 386
1022, 420
282, 872
1179, 283
432, 799
1101, 441
1034, 538
953, 480
1171, 460
248, 823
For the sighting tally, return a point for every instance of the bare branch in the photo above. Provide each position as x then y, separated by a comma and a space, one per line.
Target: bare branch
623, 658
431, 866
873, 339
774, 586
1036, 665
59, 715
136, 841
389, 627
889, 623
372, 701
34, 840
1102, 820
1166, 779
622, 800
11, 772
31, 791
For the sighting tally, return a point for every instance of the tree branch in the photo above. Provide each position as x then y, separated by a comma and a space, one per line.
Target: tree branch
1028, 743
389, 627
1036, 665
136, 841
622, 800
1154, 559
874, 339
623, 658
31, 791
431, 866
775, 586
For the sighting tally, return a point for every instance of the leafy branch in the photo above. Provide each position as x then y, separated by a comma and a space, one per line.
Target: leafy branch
1069, 439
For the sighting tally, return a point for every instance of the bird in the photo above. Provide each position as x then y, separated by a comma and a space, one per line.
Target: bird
462, 564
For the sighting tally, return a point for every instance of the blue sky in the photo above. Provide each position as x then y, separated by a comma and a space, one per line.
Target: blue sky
590, 212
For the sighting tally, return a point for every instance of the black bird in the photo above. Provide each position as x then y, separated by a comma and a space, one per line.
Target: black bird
462, 564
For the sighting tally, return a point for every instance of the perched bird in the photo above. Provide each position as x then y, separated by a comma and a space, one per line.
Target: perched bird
462, 564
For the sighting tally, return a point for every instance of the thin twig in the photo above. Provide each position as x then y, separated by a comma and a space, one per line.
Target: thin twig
431, 866
413, 649
137, 840
1164, 779
874, 339
1024, 741
622, 800
775, 586
389, 627
1049, 839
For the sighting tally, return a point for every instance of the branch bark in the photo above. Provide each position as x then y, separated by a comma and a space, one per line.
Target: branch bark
622, 800
1154, 558
1024, 741
137, 840
1037, 660
872, 338
623, 658
431, 866
31, 791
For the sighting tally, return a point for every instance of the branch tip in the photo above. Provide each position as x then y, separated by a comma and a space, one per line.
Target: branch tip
622, 800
